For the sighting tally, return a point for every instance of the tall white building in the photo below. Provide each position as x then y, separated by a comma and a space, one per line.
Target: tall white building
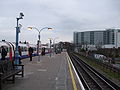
108, 38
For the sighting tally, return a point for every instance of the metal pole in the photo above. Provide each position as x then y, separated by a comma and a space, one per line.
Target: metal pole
53, 46
50, 48
39, 43
17, 39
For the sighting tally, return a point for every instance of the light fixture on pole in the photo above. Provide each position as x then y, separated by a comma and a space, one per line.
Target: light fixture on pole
39, 37
50, 50
17, 38
54, 46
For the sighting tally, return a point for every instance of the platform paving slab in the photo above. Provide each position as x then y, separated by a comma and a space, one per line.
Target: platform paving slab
51, 73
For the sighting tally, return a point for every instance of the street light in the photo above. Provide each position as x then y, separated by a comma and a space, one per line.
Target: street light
17, 38
39, 37
50, 46
54, 48
52, 39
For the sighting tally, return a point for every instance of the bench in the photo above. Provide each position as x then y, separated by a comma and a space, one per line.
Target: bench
8, 70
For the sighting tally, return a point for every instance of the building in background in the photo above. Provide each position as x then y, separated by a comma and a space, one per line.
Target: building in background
108, 38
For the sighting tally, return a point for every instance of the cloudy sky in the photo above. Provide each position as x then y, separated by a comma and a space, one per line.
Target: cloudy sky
64, 16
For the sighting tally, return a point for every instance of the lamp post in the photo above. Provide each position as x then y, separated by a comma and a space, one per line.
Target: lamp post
50, 46
54, 48
39, 37
17, 38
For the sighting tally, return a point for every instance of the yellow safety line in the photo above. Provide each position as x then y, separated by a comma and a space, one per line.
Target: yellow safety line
72, 77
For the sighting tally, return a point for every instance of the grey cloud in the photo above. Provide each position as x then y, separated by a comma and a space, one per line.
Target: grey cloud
63, 15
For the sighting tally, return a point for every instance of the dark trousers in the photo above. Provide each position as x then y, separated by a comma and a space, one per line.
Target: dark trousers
3, 58
30, 57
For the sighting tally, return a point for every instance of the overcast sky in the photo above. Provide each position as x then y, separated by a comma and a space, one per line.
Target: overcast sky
64, 16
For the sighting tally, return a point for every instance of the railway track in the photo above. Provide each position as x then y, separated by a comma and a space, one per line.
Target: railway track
91, 79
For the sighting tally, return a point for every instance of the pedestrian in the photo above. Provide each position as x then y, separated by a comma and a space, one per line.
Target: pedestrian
3, 53
30, 52
20, 54
43, 51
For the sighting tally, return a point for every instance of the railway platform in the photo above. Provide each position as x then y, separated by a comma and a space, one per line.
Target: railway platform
50, 73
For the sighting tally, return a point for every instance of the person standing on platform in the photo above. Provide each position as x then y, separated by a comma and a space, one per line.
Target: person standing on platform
3, 53
43, 51
20, 54
30, 52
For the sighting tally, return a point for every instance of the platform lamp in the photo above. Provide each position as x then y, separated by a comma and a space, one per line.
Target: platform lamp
39, 37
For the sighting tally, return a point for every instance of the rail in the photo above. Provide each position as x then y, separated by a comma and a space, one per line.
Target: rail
92, 80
